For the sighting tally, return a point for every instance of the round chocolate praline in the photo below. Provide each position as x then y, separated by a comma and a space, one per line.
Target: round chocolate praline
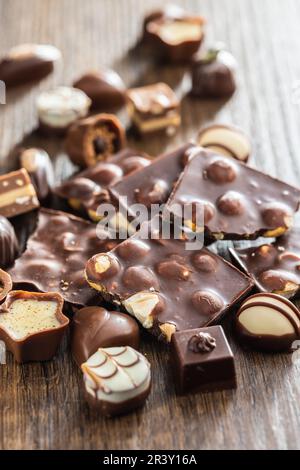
9, 246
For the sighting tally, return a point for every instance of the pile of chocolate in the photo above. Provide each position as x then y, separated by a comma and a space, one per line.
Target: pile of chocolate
75, 274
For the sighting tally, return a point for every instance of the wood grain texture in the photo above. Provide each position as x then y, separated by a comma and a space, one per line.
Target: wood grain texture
41, 405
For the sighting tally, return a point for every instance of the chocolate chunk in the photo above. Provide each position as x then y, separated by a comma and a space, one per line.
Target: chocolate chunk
56, 254
162, 286
117, 380
5, 284
213, 74
153, 108
202, 360
96, 327
94, 139
105, 88
237, 194
225, 140
59, 108
173, 34
27, 63
275, 267
9, 246
39, 167
32, 325
268, 322
17, 194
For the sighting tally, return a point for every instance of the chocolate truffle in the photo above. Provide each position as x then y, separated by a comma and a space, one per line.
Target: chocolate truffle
213, 75
105, 88
39, 167
9, 246
117, 380
96, 327
268, 322
94, 139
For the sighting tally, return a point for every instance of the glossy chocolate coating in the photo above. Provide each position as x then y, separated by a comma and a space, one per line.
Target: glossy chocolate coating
244, 203
9, 246
202, 369
275, 267
96, 327
268, 322
213, 75
39, 167
42, 344
56, 254
17, 193
94, 139
5, 284
186, 295
105, 88
27, 63
154, 183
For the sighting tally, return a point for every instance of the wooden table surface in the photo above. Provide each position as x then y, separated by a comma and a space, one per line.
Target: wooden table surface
41, 405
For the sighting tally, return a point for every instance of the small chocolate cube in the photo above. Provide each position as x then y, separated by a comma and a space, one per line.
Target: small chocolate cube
202, 360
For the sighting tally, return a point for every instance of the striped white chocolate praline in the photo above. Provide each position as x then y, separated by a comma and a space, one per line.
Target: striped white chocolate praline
268, 322
226, 140
117, 379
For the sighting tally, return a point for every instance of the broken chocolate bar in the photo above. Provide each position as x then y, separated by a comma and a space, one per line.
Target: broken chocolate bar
17, 194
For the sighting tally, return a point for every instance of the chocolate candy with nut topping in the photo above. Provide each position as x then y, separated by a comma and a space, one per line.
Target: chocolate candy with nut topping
154, 184
94, 139
5, 284
9, 246
268, 322
17, 194
213, 74
56, 254
117, 380
105, 88
165, 286
202, 360
96, 327
239, 202
173, 34
39, 167
225, 140
27, 63
153, 108
32, 324
275, 267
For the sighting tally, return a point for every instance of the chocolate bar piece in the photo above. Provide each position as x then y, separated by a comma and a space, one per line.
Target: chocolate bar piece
165, 286
9, 246
59, 108
153, 108
32, 324
94, 139
56, 254
238, 202
225, 140
17, 194
39, 167
85, 190
117, 380
27, 63
151, 185
268, 322
213, 74
96, 327
5, 284
173, 34
275, 267
202, 360
105, 88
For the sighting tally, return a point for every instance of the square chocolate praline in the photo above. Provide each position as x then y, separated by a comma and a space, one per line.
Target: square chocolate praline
202, 371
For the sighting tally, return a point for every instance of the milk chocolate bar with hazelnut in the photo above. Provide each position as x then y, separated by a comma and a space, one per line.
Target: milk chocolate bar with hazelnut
237, 202
166, 287
275, 267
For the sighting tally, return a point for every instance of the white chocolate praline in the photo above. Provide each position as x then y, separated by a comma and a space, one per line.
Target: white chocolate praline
62, 106
117, 374
45, 52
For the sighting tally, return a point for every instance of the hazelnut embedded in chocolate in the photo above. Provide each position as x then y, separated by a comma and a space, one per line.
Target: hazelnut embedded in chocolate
94, 139
206, 302
172, 269
140, 278
221, 171
204, 262
231, 203
132, 249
